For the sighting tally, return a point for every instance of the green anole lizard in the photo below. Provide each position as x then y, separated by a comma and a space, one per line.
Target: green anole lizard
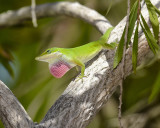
62, 60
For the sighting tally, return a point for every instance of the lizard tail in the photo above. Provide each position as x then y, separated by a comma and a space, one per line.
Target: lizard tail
103, 40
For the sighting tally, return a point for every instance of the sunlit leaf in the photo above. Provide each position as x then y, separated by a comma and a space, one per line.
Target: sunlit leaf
153, 18
157, 11
132, 20
135, 49
148, 40
149, 35
156, 88
119, 51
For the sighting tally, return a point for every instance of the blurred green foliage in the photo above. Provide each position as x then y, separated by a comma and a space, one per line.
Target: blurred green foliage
31, 81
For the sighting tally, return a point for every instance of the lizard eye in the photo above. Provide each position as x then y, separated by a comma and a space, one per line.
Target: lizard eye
48, 51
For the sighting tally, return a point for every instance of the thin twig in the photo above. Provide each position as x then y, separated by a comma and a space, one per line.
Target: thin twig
138, 12
34, 18
123, 68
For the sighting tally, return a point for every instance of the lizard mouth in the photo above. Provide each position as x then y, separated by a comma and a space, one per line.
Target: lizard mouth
44, 58
48, 57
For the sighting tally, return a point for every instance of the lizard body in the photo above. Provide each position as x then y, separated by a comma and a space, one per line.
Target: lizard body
63, 59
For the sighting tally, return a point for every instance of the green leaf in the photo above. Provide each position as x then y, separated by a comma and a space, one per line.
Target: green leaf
148, 40
157, 11
132, 20
149, 35
119, 51
156, 88
153, 18
135, 50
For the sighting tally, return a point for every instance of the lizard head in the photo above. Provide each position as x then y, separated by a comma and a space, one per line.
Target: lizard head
49, 55
57, 66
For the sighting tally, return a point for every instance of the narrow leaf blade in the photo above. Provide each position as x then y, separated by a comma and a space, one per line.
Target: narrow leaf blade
135, 50
157, 11
119, 51
153, 18
149, 34
132, 20
148, 40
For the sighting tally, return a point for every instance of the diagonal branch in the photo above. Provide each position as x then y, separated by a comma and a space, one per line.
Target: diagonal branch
83, 99
12, 112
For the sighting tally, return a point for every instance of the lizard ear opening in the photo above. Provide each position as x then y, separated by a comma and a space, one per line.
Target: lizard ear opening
59, 69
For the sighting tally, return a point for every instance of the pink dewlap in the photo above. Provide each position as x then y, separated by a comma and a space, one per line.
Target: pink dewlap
59, 69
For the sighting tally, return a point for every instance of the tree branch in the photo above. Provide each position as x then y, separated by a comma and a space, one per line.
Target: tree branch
12, 112
34, 18
83, 99
75, 9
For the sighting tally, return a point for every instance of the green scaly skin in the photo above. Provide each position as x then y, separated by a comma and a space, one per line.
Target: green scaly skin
79, 55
